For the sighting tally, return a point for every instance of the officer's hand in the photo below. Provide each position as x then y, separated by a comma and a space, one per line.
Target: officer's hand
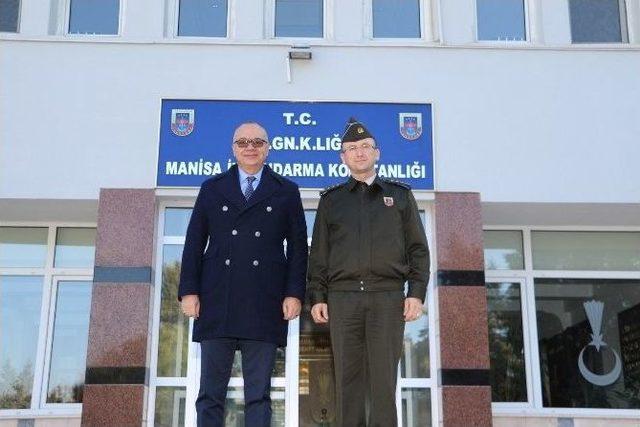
190, 305
320, 313
412, 309
291, 307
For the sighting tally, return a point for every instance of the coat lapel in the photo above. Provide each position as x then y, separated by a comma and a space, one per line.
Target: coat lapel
268, 185
232, 184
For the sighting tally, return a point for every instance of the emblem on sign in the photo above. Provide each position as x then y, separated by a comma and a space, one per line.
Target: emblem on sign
388, 201
182, 121
594, 310
410, 125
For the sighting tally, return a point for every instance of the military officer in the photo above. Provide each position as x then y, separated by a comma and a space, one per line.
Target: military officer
368, 241
242, 290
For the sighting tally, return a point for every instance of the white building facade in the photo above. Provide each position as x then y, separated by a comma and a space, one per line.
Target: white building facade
533, 309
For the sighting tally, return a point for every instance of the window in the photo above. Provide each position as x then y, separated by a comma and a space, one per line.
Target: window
170, 379
503, 250
589, 337
574, 250
174, 327
564, 327
32, 283
20, 299
396, 18
416, 407
170, 406
506, 342
502, 20
202, 18
315, 363
23, 247
9, 12
94, 17
68, 352
598, 21
302, 381
299, 18
75, 247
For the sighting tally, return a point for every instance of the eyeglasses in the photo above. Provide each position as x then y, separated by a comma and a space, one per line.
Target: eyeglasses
353, 148
255, 142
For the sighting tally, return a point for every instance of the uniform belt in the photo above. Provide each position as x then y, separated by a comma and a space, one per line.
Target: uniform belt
366, 285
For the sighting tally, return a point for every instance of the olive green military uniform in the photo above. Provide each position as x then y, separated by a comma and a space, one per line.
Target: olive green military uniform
368, 241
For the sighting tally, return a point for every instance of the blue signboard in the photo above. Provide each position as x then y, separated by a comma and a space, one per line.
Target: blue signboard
196, 138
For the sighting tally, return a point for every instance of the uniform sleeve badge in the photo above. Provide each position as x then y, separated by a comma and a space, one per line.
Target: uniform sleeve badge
388, 201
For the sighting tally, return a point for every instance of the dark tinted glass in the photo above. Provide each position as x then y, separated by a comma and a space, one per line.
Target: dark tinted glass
588, 337
203, 18
299, 18
94, 17
506, 343
501, 20
595, 21
396, 18
9, 10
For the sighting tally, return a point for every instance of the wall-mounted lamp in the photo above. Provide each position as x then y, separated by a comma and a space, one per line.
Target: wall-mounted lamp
297, 52
300, 52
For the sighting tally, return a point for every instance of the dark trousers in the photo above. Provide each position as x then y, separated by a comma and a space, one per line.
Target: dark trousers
367, 330
258, 358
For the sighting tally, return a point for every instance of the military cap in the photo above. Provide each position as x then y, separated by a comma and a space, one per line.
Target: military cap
355, 131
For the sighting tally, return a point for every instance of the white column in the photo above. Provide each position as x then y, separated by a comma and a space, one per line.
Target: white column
534, 14
429, 24
633, 21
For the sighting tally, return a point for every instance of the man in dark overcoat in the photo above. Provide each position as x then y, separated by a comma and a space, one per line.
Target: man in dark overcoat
237, 281
368, 241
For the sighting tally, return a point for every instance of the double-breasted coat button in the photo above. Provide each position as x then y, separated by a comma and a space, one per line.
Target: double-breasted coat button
234, 232
257, 234
227, 262
255, 263
362, 288
269, 208
225, 208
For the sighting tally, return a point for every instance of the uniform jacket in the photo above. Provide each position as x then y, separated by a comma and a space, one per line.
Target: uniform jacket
244, 275
368, 238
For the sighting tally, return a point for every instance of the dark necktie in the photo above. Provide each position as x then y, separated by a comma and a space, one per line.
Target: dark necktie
248, 192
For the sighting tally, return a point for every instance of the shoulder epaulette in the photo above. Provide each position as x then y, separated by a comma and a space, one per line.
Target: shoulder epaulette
331, 188
398, 183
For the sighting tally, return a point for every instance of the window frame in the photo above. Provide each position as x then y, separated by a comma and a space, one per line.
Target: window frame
49, 346
623, 8
39, 408
18, 20
67, 22
327, 24
173, 21
526, 340
535, 405
425, 9
527, 28
290, 382
155, 380
193, 368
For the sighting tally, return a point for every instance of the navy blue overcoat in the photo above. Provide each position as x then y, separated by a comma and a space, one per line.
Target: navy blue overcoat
244, 275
